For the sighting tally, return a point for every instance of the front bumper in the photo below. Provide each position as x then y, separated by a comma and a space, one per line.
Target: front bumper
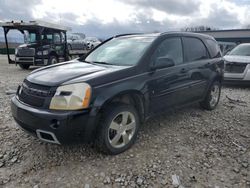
238, 77
59, 127
31, 60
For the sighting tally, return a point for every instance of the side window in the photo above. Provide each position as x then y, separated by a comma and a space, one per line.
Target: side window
214, 48
194, 49
170, 48
57, 38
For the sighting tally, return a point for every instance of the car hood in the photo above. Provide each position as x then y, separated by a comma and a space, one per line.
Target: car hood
72, 70
31, 45
237, 59
34, 45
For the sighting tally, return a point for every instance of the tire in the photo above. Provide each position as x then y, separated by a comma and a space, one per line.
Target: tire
52, 60
114, 136
213, 96
25, 67
69, 47
69, 58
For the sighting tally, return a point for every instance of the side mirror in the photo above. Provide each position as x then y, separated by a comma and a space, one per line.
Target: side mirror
163, 62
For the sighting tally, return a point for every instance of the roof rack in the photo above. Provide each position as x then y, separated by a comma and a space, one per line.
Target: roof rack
127, 34
33, 24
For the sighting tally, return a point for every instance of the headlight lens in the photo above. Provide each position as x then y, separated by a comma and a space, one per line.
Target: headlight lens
71, 97
16, 51
45, 52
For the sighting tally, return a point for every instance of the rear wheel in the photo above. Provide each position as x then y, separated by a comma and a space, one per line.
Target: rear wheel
53, 60
23, 66
213, 96
119, 129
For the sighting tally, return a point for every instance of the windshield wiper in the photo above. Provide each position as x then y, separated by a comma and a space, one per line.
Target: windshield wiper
82, 60
101, 62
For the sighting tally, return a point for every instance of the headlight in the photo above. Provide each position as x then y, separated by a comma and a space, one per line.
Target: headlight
16, 51
71, 97
45, 52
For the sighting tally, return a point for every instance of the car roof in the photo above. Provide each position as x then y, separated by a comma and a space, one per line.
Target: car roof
138, 35
190, 34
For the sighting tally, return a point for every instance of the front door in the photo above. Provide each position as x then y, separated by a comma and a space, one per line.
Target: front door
169, 86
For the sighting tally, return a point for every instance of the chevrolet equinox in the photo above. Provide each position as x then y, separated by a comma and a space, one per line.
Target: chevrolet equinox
105, 96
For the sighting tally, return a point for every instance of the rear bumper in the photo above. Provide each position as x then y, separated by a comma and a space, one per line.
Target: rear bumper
54, 126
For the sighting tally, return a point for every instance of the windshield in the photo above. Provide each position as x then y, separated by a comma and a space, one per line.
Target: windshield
32, 37
121, 51
241, 50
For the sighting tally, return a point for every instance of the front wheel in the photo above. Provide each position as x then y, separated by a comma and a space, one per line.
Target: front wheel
119, 129
52, 60
212, 97
25, 67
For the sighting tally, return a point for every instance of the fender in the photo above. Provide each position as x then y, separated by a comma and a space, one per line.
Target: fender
104, 94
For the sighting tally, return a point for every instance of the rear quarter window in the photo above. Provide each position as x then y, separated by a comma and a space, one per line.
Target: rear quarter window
214, 48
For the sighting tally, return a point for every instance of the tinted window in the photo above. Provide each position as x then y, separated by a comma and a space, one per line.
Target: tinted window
47, 38
213, 48
194, 49
170, 48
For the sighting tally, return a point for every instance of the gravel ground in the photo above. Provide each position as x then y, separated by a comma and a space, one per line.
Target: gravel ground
186, 148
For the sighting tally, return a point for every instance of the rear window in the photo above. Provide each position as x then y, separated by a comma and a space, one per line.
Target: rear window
194, 49
214, 48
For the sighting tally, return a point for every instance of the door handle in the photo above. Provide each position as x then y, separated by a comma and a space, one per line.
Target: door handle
183, 70
207, 65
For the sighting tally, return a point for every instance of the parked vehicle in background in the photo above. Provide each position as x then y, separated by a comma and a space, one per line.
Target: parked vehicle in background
76, 41
237, 65
226, 47
106, 95
45, 44
92, 42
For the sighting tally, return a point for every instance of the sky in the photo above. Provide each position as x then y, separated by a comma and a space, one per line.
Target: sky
104, 18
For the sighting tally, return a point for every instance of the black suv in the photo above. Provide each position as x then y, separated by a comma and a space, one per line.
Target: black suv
106, 95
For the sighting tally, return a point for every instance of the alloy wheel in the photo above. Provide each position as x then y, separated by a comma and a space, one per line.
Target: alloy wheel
215, 94
121, 129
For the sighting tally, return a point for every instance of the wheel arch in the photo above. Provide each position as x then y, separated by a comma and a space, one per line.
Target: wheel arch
132, 97
53, 53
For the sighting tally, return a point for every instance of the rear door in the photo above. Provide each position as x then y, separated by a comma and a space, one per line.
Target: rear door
198, 61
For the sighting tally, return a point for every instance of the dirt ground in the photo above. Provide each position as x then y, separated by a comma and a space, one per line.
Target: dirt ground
190, 147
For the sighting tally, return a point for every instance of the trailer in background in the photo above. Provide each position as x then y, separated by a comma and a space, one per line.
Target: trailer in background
45, 44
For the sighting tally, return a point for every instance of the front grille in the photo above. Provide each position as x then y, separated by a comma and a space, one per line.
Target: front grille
26, 51
235, 67
30, 99
34, 94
